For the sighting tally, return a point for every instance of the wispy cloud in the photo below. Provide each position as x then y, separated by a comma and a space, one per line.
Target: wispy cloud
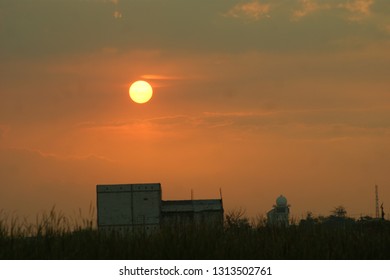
56, 156
160, 77
129, 125
113, 125
236, 114
309, 7
358, 9
332, 122
254, 10
117, 14
340, 120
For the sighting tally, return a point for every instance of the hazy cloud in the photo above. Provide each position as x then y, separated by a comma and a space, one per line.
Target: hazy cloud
61, 157
309, 7
308, 123
253, 10
161, 77
358, 9
43, 27
321, 123
117, 15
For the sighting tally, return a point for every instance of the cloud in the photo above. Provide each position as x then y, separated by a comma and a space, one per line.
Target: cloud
117, 15
316, 124
253, 10
309, 7
358, 9
58, 157
325, 123
160, 77
177, 28
238, 119
161, 126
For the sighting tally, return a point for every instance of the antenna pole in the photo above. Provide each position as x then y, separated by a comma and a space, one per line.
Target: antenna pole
220, 195
376, 202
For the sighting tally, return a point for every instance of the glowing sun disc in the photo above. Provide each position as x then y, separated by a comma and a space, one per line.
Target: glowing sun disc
140, 92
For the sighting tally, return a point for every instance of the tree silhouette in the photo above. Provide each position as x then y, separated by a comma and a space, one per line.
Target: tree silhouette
339, 212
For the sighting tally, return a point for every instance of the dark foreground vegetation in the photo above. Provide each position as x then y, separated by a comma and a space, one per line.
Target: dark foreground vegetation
55, 237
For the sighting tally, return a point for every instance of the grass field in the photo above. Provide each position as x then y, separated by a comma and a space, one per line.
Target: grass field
54, 236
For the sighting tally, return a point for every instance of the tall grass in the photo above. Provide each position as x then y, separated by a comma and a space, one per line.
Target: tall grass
54, 236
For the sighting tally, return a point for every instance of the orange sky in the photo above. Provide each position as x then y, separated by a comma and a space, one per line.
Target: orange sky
259, 98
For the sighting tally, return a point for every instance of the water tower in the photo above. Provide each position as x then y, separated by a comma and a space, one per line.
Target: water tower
279, 215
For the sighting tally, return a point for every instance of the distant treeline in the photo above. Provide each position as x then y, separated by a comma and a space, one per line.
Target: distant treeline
333, 237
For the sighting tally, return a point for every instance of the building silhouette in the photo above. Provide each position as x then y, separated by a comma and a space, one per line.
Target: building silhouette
279, 215
139, 207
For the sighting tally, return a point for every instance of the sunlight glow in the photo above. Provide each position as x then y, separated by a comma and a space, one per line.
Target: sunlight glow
140, 92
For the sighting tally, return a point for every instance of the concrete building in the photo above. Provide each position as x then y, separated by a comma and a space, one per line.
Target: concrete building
129, 207
279, 215
205, 211
138, 207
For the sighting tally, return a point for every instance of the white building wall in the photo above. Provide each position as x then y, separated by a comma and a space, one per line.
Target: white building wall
129, 207
146, 207
114, 209
279, 216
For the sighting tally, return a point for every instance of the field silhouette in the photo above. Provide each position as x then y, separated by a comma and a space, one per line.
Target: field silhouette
54, 236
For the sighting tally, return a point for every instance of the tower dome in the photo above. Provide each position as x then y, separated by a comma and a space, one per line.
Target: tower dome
281, 201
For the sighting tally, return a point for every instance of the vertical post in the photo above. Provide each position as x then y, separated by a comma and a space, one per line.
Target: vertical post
132, 207
382, 212
220, 195
376, 202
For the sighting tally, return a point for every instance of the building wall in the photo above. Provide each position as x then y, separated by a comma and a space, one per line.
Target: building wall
130, 207
278, 216
182, 212
139, 208
188, 217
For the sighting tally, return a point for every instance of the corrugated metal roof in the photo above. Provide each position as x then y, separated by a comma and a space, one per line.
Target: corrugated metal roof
128, 187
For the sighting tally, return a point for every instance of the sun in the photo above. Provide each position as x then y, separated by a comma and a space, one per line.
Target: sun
140, 92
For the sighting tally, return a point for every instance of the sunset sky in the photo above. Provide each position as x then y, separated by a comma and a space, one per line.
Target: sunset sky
258, 98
